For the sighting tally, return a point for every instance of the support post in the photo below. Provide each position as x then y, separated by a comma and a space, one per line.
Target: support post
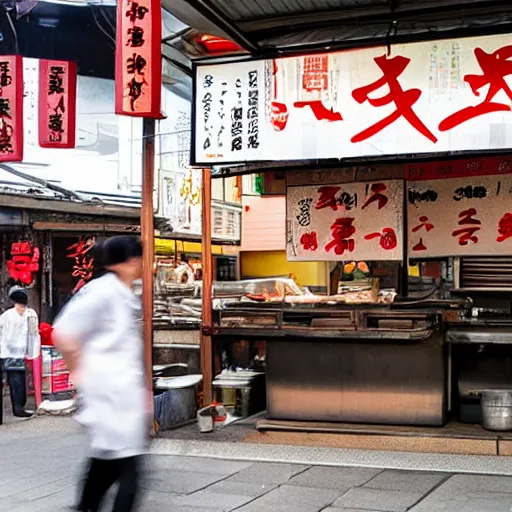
206, 330
404, 275
148, 241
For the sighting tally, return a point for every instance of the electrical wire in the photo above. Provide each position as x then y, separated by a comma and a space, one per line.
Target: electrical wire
105, 17
14, 33
50, 186
102, 29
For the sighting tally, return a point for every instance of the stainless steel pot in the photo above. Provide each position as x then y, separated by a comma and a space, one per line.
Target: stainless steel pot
497, 410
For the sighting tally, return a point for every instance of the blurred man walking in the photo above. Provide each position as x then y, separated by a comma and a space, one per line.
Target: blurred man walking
99, 335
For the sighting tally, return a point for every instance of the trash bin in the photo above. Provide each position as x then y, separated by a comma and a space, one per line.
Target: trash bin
177, 403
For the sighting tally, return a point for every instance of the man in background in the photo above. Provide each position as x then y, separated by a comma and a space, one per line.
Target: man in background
19, 339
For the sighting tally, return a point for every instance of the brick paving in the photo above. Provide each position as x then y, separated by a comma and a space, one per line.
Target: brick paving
41, 461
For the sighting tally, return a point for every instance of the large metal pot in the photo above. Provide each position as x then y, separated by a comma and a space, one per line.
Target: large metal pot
177, 404
497, 410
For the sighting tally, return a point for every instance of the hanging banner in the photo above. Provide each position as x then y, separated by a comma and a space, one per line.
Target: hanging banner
349, 221
139, 58
57, 104
469, 216
429, 97
11, 108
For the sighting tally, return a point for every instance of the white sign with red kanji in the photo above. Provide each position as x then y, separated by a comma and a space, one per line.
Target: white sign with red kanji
349, 221
429, 97
460, 217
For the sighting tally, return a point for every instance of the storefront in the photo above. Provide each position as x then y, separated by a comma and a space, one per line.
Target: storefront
177, 310
45, 246
414, 225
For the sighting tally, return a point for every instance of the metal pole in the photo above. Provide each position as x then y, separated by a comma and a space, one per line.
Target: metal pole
404, 277
206, 331
148, 241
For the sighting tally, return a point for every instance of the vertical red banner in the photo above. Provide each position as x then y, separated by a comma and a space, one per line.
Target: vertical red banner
139, 58
11, 108
57, 104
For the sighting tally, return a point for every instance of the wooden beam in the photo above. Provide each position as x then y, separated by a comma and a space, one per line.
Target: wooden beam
80, 228
206, 330
148, 241
52, 205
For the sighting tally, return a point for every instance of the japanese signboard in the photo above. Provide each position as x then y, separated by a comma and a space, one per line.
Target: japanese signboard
83, 267
138, 58
460, 216
350, 221
181, 206
11, 108
429, 97
57, 104
181, 200
23, 264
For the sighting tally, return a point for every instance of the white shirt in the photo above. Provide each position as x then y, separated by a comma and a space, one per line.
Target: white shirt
19, 334
104, 317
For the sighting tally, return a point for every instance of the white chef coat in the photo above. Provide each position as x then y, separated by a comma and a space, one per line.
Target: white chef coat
19, 334
104, 317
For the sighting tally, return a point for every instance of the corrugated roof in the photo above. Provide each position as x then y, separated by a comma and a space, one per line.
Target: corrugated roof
15, 185
264, 26
247, 9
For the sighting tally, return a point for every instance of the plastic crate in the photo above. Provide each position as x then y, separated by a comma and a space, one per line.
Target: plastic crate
55, 378
59, 365
61, 383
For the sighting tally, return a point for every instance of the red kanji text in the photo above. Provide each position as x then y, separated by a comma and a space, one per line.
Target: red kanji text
327, 198
24, 262
424, 224
320, 111
505, 228
420, 246
467, 233
83, 267
391, 68
495, 67
387, 239
342, 231
376, 191
309, 241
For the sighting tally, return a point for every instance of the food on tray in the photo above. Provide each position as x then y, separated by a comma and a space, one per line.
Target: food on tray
363, 267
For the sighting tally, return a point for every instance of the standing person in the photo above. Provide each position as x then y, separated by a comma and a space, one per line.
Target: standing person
99, 335
19, 338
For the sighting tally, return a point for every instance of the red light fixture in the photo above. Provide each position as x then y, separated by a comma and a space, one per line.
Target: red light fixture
214, 44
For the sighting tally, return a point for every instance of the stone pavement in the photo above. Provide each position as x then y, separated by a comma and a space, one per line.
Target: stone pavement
41, 463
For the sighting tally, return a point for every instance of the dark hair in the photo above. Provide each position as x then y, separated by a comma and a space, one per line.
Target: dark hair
19, 297
118, 249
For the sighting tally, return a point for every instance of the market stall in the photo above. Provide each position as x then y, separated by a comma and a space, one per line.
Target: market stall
401, 219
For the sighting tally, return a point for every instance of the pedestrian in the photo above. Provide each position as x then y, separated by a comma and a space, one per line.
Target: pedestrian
19, 339
99, 335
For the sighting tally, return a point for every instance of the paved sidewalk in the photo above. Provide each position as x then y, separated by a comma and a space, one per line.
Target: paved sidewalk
41, 459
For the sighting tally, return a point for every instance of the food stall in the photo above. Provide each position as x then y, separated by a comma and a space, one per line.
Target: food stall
419, 197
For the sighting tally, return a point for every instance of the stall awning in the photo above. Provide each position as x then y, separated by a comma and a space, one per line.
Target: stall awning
263, 26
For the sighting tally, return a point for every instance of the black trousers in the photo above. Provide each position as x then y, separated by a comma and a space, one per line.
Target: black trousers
18, 388
102, 474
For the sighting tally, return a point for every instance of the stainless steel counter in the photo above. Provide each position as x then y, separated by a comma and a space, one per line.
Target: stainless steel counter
480, 334
361, 364
366, 381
